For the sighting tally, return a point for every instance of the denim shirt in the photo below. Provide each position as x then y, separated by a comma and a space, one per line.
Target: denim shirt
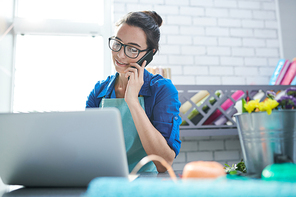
161, 104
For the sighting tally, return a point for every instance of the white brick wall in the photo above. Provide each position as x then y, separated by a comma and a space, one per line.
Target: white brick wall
211, 145
248, 5
189, 146
224, 42
226, 155
208, 80
200, 155
213, 32
252, 23
223, 149
195, 70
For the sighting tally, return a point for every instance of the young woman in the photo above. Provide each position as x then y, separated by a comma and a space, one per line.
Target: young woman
148, 103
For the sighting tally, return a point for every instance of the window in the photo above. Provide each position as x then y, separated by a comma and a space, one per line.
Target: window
54, 73
59, 53
74, 10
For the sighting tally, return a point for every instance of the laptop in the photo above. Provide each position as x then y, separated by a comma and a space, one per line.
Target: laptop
61, 149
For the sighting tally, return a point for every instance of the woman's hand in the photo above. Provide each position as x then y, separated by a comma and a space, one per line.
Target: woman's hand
152, 140
135, 73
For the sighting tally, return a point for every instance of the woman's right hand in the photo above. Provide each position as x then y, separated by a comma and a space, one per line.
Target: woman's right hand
135, 73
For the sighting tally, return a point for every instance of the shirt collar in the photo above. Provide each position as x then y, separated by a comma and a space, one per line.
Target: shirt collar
107, 90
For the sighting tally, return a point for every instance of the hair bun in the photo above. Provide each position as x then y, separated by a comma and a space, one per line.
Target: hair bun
155, 16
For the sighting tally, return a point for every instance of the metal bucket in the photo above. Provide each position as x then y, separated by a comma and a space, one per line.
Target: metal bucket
267, 139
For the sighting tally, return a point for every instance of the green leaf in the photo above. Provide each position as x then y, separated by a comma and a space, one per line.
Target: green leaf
241, 166
243, 105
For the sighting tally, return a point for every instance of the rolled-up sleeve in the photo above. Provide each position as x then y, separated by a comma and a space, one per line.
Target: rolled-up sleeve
166, 117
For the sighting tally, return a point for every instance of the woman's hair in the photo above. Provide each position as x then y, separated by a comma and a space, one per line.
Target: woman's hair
149, 22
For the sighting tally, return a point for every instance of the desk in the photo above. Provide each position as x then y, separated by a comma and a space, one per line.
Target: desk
73, 192
160, 185
45, 192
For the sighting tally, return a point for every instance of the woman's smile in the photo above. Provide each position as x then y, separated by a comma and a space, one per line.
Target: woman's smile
121, 64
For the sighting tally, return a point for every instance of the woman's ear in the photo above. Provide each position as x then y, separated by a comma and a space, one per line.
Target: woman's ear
154, 51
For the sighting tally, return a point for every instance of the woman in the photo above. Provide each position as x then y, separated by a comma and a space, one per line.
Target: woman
148, 103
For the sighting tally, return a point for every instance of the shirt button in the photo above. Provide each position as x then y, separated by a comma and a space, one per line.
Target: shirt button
176, 117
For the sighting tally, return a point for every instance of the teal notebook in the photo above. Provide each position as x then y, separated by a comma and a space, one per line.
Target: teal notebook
165, 187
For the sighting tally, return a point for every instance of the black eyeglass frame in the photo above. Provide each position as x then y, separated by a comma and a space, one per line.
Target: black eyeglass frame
121, 44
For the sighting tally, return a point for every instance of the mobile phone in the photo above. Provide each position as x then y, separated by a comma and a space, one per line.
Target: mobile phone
148, 57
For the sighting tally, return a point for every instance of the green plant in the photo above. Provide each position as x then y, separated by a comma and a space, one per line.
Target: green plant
236, 167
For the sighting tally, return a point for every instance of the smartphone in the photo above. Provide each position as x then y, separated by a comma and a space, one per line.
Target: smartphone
148, 57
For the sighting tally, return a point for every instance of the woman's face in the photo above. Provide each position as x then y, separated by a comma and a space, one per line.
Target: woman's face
132, 36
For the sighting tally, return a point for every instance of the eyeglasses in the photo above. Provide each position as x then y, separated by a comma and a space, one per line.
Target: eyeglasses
129, 51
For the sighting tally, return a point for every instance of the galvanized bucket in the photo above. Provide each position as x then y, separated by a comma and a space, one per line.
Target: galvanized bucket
267, 139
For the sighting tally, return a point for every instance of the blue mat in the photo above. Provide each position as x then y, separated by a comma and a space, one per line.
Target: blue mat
108, 186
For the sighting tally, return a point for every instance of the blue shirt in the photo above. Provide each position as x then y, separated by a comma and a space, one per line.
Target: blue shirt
161, 104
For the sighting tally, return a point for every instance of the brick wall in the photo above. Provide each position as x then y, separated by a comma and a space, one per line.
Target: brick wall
214, 41
223, 149
224, 42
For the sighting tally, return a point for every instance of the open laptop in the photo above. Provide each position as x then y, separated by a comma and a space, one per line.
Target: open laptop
61, 149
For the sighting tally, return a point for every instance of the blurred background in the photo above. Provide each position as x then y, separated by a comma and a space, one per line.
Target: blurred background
54, 51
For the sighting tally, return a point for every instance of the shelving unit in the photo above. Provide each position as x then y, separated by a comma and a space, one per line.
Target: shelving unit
199, 128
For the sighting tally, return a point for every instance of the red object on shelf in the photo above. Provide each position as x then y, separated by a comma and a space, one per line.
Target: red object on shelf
228, 103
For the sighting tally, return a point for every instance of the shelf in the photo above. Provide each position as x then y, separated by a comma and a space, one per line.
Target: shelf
199, 125
207, 132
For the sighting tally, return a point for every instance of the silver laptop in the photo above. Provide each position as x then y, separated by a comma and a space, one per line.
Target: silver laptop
61, 149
